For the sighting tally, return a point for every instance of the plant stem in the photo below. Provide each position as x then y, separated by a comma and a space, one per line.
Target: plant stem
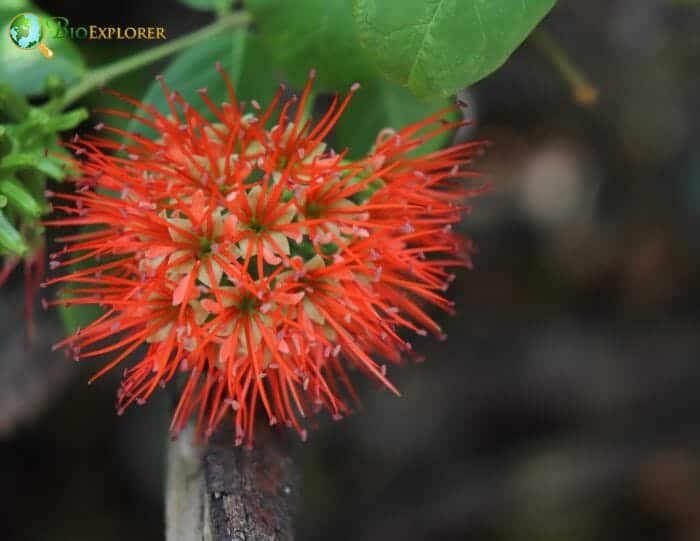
101, 76
584, 92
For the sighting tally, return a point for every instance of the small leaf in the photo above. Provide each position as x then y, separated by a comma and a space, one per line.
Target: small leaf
10, 239
251, 71
383, 104
47, 165
51, 168
318, 34
16, 161
20, 198
437, 47
66, 121
26, 71
53, 164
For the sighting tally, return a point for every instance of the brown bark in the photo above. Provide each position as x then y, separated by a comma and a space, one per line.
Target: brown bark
221, 492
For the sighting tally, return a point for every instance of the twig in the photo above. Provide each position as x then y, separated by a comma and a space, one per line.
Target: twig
222, 492
584, 92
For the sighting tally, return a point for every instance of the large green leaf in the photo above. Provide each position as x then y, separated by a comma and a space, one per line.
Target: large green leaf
250, 70
435, 47
319, 34
382, 104
26, 71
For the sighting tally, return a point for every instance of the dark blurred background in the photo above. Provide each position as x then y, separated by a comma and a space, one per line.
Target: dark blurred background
564, 404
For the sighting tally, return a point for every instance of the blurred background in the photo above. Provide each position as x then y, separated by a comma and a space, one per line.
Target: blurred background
564, 404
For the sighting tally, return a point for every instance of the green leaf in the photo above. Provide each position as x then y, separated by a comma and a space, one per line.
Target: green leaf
20, 198
51, 167
251, 72
47, 165
26, 71
19, 161
435, 47
383, 104
10, 239
66, 121
208, 5
16, 161
307, 34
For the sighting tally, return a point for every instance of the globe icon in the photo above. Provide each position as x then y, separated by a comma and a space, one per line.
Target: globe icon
26, 31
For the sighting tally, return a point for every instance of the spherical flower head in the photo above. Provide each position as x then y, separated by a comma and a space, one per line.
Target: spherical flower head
254, 264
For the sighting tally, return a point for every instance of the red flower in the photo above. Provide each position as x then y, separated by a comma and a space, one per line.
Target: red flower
254, 260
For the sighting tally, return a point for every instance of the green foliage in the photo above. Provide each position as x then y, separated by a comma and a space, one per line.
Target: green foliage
29, 146
435, 47
27, 71
318, 34
29, 153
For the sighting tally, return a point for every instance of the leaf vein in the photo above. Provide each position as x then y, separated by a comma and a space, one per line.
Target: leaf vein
422, 45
